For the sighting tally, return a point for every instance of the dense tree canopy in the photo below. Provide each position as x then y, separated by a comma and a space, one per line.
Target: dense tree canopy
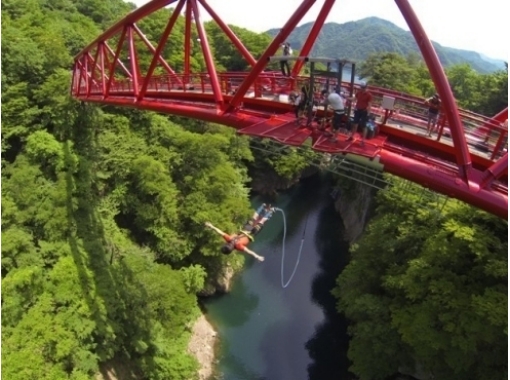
426, 290
486, 94
103, 209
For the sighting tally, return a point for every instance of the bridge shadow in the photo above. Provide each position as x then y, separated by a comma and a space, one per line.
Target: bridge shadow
328, 347
105, 280
325, 356
297, 203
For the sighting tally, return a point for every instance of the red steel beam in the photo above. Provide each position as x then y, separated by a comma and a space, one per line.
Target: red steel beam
107, 61
115, 60
312, 36
424, 174
271, 50
94, 66
209, 62
86, 68
133, 59
495, 171
79, 67
497, 119
153, 51
92, 61
187, 42
394, 163
442, 86
161, 45
230, 34
501, 116
499, 144
84, 73
131, 18
73, 78
103, 74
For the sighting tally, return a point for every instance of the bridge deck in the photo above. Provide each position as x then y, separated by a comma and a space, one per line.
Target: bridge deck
279, 123
401, 144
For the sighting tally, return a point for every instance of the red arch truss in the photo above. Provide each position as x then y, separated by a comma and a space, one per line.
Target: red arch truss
458, 163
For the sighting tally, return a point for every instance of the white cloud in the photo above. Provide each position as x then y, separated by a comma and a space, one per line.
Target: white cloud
469, 25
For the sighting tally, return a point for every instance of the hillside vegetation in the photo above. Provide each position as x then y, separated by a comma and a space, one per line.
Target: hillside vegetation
356, 40
426, 291
103, 245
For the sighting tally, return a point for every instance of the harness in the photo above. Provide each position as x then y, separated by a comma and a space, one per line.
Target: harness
247, 234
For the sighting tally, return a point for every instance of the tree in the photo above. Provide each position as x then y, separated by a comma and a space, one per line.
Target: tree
434, 294
381, 69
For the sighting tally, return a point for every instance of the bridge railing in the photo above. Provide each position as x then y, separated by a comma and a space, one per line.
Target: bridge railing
482, 133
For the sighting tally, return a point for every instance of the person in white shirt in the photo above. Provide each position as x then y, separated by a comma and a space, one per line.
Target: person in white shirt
284, 64
336, 102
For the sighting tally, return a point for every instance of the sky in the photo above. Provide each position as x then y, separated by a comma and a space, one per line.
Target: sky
471, 25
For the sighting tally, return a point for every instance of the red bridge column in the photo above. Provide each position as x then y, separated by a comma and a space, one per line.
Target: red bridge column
187, 42
442, 87
161, 45
209, 61
312, 36
115, 60
134, 60
273, 47
102, 54
494, 172
238, 44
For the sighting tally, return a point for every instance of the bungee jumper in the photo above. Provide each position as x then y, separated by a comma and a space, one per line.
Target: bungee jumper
247, 234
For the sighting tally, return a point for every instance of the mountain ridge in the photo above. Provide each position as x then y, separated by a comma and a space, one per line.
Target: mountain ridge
357, 39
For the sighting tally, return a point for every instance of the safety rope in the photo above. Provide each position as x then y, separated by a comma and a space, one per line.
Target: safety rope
284, 285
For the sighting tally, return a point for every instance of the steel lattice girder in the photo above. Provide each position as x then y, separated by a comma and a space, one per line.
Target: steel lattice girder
95, 73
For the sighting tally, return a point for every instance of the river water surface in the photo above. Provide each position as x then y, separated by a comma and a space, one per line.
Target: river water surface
268, 332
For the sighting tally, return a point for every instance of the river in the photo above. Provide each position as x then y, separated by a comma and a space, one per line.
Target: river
267, 332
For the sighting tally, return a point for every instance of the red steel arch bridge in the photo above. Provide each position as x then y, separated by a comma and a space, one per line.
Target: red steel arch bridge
467, 160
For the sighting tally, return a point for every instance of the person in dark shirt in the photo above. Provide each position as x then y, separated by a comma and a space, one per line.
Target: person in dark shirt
434, 104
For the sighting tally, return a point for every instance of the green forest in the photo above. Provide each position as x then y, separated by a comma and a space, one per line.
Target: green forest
103, 243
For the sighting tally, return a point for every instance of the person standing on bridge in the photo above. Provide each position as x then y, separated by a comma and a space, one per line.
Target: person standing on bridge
337, 104
247, 234
434, 104
363, 100
284, 64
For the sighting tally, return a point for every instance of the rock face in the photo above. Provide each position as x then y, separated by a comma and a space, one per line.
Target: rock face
269, 182
201, 345
218, 284
354, 206
223, 282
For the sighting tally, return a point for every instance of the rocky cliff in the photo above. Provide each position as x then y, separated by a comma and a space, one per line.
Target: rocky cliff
219, 282
269, 182
353, 202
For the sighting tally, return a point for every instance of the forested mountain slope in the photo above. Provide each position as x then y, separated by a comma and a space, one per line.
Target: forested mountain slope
103, 246
426, 291
356, 40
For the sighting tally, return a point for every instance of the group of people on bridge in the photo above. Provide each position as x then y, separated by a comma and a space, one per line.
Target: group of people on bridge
335, 101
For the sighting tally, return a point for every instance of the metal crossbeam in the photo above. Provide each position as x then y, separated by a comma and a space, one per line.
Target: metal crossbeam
346, 166
309, 59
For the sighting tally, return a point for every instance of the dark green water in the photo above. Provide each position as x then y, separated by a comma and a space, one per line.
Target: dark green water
272, 333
